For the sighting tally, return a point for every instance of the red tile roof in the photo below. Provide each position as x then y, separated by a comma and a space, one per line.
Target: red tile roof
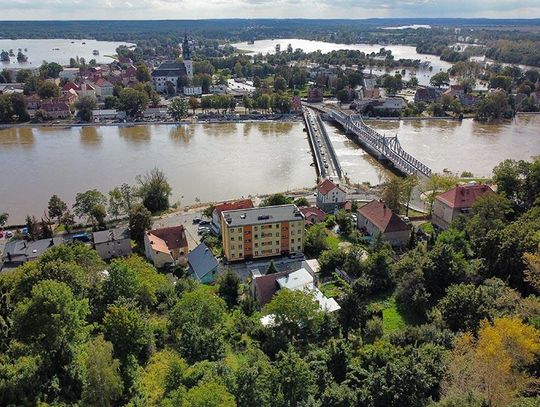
463, 196
327, 185
174, 237
266, 286
71, 85
231, 206
382, 217
313, 211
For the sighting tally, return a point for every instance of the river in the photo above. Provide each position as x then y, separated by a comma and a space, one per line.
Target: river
398, 51
445, 144
57, 50
204, 162
211, 162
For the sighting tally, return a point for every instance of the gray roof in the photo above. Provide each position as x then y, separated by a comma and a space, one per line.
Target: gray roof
110, 235
21, 250
170, 69
262, 215
201, 261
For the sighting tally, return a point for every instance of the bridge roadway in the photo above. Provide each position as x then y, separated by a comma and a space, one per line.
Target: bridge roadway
326, 160
382, 147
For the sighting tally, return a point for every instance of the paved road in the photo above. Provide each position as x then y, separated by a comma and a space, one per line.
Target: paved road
321, 145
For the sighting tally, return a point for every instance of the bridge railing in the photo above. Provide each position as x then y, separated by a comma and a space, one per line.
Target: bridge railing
395, 153
330, 146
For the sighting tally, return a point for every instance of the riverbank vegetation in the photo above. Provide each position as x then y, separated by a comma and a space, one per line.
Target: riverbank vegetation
451, 320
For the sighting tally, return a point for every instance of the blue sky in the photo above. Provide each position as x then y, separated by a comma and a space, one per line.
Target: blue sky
181, 9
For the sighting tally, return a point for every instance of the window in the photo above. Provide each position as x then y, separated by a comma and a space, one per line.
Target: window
277, 234
256, 244
292, 240
277, 241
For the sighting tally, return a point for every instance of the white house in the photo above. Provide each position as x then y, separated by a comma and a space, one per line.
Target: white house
103, 88
330, 196
112, 243
192, 90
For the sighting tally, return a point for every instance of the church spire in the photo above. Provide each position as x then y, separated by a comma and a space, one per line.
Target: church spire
186, 52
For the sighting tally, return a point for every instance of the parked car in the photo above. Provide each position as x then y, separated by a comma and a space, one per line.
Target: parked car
202, 230
196, 220
1, 234
81, 237
204, 222
9, 234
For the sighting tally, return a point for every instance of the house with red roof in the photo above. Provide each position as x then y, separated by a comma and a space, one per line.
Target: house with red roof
228, 206
313, 215
166, 246
56, 108
103, 88
375, 218
330, 196
456, 202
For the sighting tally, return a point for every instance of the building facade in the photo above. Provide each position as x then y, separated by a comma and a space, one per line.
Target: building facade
112, 243
456, 202
376, 219
167, 246
169, 72
330, 196
262, 232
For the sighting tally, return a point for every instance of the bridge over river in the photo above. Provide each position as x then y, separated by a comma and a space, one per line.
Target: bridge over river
384, 148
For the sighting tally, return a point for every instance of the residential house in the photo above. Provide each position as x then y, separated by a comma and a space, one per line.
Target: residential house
217, 89
227, 206
33, 102
203, 266
375, 219
56, 108
69, 73
455, 90
370, 90
192, 90
330, 196
70, 86
166, 246
20, 251
391, 104
264, 287
315, 95
456, 202
313, 215
112, 243
103, 88
86, 89
262, 232
427, 95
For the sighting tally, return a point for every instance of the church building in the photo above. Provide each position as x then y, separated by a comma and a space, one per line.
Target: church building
170, 72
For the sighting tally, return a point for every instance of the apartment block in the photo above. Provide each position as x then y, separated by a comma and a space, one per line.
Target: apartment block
262, 232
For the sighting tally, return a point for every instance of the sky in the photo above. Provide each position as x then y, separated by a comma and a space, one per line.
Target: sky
196, 9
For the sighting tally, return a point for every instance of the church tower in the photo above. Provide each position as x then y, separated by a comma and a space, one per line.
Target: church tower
186, 55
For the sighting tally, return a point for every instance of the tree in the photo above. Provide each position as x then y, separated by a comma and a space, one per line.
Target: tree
50, 70
493, 365
102, 384
3, 219
440, 79
209, 394
99, 213
196, 323
56, 208
6, 109
154, 190
315, 241
178, 108
494, 106
85, 106
143, 73
393, 84
228, 288
116, 202
52, 323
295, 379
132, 101
436, 184
18, 104
140, 220
128, 330
86, 202
392, 194
280, 84
532, 274
276, 199
294, 313
194, 103
48, 90
128, 196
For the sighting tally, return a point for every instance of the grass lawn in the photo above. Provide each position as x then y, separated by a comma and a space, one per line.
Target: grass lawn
392, 318
427, 228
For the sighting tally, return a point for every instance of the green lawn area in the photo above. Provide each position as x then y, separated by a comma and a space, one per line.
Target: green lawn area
392, 319
427, 228
333, 240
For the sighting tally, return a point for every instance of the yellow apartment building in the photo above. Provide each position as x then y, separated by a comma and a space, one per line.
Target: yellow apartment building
262, 232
